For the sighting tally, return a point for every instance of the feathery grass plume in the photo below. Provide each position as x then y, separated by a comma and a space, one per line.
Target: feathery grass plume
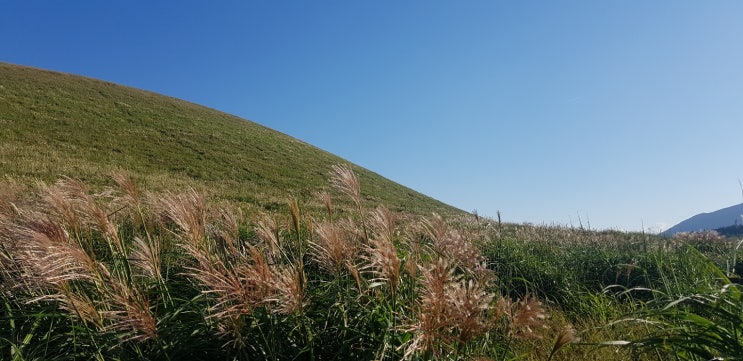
501, 313
383, 223
451, 312
92, 213
380, 254
352, 231
129, 315
79, 304
239, 286
354, 271
566, 336
268, 232
451, 244
470, 303
412, 261
289, 290
130, 189
435, 228
222, 282
294, 211
8, 250
327, 200
260, 274
145, 256
50, 256
225, 231
382, 259
343, 179
330, 249
187, 211
12, 193
433, 321
527, 318
415, 248
60, 205
131, 201
233, 289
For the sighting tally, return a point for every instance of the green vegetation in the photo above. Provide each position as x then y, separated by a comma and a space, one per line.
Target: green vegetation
54, 124
122, 275
157, 251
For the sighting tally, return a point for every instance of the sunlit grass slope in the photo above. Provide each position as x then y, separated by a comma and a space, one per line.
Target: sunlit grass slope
54, 124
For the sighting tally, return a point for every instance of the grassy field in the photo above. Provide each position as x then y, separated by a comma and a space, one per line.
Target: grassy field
126, 274
135, 226
54, 124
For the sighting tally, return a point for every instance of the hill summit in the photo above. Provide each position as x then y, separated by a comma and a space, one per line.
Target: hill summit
54, 124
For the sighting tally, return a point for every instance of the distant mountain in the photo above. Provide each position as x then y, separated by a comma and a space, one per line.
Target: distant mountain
707, 221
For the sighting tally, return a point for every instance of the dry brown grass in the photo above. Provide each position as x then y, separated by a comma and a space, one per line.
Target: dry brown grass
56, 259
343, 179
327, 200
528, 319
237, 276
450, 243
268, 230
129, 314
188, 211
380, 255
49, 257
80, 208
567, 335
425, 281
13, 195
432, 322
470, 303
330, 249
145, 256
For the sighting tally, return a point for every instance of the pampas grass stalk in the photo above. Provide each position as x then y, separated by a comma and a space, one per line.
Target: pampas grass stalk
343, 179
330, 249
381, 254
187, 211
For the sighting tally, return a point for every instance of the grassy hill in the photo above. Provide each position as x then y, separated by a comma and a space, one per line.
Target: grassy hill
54, 124
86, 277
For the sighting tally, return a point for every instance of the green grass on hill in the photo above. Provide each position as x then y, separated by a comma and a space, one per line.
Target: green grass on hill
54, 124
175, 274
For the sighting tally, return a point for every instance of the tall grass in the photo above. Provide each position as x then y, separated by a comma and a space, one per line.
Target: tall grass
694, 311
118, 273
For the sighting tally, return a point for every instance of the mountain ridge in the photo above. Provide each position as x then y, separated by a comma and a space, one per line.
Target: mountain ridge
724, 217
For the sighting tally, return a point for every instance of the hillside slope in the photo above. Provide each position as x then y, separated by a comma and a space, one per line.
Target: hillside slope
725, 217
54, 124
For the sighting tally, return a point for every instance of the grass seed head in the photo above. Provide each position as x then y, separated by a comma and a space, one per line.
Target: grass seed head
528, 318
267, 230
470, 303
330, 249
343, 179
382, 260
188, 212
145, 256
130, 315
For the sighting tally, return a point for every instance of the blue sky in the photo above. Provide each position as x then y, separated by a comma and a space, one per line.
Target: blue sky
622, 114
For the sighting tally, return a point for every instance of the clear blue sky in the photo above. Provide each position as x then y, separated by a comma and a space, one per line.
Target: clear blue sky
620, 113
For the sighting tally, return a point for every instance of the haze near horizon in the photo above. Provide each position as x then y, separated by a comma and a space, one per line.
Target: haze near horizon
618, 115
